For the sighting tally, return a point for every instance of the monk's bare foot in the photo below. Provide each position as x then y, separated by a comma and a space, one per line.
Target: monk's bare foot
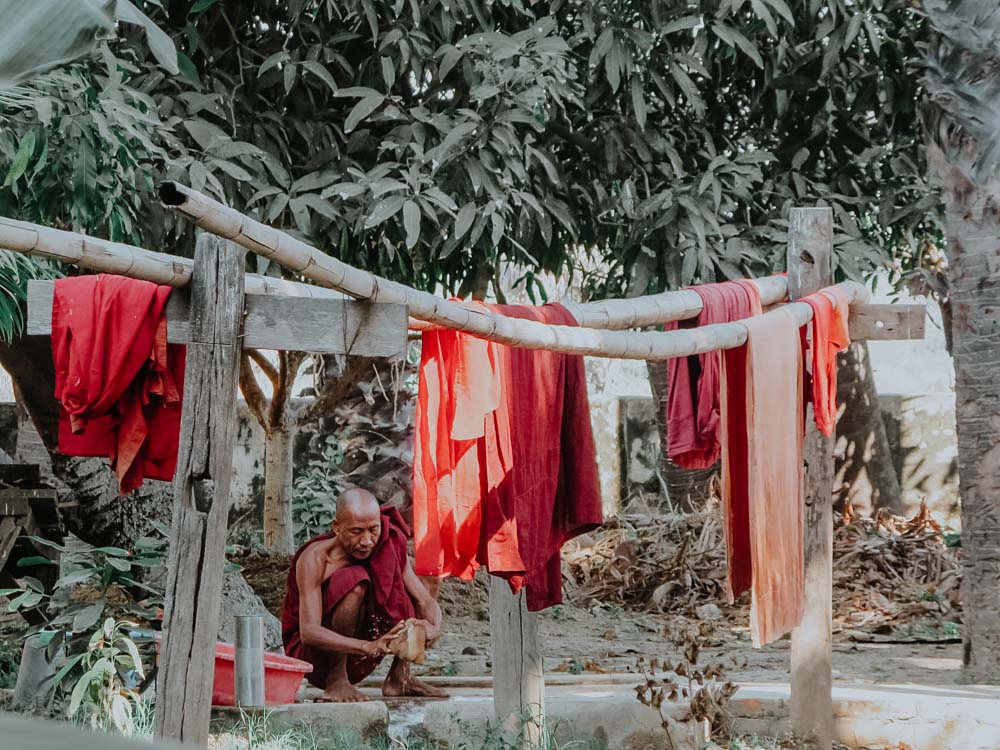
411, 686
341, 693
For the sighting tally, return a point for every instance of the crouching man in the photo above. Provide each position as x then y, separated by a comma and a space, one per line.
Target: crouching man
348, 593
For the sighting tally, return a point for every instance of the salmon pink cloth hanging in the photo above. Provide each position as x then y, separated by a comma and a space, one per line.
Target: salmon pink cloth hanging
505, 467
693, 382
118, 381
762, 492
829, 336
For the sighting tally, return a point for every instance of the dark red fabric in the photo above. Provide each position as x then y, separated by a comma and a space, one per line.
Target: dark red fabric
117, 379
387, 601
693, 382
829, 334
550, 492
519, 466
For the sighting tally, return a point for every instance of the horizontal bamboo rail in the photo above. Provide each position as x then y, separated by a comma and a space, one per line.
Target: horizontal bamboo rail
332, 272
105, 256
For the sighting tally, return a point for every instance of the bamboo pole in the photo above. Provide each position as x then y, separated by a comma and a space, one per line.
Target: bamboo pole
331, 272
105, 256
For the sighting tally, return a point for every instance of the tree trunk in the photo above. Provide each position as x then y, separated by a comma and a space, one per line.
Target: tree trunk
973, 231
686, 490
866, 474
103, 517
279, 533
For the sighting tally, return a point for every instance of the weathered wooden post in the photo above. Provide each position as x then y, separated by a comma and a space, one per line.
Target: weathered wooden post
201, 493
810, 268
518, 675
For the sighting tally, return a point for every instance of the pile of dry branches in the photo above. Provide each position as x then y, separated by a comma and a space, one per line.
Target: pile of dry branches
889, 572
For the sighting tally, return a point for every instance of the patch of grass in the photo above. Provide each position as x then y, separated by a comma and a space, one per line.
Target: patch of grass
10, 661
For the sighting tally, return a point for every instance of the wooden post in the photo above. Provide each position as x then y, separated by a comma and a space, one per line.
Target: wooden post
518, 675
201, 494
810, 268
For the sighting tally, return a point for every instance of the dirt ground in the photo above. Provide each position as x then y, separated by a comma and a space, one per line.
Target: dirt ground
591, 636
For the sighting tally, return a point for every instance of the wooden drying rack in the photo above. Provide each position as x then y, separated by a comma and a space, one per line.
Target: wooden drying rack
223, 310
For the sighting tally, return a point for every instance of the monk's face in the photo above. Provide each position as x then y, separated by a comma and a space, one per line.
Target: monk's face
358, 529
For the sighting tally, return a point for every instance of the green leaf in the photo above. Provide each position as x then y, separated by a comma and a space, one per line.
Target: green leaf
187, 67
320, 71
689, 266
161, 45
87, 617
464, 220
134, 653
853, 29
20, 163
734, 39
783, 10
765, 15
119, 564
498, 228
344, 190
300, 211
270, 62
202, 5
288, 75
613, 68
27, 562
77, 576
449, 61
113, 551
388, 72
383, 210
680, 24
233, 170
411, 221
638, 102
67, 668
602, 46
362, 110
689, 89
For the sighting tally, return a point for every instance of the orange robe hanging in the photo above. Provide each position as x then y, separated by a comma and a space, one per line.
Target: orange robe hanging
762, 417
829, 336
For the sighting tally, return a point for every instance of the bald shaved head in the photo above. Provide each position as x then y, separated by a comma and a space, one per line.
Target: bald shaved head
358, 522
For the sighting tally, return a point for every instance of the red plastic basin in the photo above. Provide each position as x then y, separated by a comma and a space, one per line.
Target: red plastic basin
282, 676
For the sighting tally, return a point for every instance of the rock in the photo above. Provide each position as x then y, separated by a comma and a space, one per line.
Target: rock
708, 612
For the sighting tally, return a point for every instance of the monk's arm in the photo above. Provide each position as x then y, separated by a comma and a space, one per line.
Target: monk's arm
425, 605
309, 576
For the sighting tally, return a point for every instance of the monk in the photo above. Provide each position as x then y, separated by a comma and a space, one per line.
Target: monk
349, 591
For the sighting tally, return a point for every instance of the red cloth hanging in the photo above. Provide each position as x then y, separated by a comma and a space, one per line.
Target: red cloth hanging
504, 460
550, 492
118, 381
829, 336
762, 500
693, 440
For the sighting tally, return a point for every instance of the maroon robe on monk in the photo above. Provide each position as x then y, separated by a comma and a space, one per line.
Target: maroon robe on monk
386, 604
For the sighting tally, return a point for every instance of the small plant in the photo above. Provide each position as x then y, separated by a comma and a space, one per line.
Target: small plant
10, 659
316, 489
705, 691
102, 695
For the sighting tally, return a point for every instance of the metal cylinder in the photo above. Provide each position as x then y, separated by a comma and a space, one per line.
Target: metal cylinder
34, 672
249, 668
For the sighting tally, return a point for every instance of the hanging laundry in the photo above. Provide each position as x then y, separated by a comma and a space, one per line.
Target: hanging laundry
829, 336
505, 467
693, 382
118, 381
762, 493
459, 385
550, 492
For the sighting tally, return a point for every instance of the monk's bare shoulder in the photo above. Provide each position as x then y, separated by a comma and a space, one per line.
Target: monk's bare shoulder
312, 564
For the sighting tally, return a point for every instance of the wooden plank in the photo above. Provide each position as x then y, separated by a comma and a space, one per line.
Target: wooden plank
886, 322
201, 494
810, 252
9, 530
320, 325
518, 677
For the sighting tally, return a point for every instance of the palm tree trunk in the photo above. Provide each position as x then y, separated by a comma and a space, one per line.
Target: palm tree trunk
973, 229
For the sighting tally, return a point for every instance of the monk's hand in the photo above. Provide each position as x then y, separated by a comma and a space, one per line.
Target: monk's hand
380, 646
432, 631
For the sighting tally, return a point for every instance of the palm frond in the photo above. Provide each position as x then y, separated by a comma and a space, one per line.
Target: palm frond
962, 78
15, 272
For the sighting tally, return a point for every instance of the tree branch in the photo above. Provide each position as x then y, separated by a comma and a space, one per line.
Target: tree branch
266, 367
288, 363
335, 389
256, 401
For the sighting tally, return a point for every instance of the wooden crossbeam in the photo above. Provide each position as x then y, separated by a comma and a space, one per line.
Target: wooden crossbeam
320, 325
